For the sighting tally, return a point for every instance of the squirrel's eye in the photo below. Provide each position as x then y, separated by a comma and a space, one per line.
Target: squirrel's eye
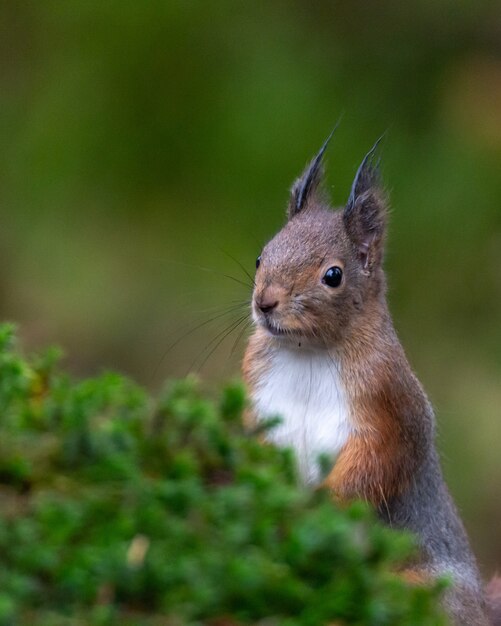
258, 262
333, 276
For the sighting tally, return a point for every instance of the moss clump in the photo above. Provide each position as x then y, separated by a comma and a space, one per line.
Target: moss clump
120, 509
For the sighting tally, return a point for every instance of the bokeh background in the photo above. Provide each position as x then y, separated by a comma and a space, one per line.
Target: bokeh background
147, 148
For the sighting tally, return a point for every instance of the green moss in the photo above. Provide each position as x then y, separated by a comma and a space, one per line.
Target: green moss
120, 509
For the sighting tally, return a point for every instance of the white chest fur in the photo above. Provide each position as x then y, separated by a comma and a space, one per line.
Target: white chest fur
304, 389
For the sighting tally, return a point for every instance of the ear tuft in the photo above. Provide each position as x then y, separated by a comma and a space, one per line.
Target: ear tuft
365, 213
306, 189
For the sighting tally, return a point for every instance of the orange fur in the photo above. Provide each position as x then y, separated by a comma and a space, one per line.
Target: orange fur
415, 577
255, 362
372, 464
377, 461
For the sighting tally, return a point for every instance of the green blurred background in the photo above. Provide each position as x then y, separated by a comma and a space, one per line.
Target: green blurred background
143, 144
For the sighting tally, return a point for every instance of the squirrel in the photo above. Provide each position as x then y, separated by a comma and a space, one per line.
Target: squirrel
324, 355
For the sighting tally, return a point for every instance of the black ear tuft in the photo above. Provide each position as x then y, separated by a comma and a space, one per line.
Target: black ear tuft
367, 175
306, 187
365, 213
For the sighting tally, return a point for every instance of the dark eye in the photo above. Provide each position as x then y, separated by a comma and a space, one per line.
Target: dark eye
258, 262
333, 276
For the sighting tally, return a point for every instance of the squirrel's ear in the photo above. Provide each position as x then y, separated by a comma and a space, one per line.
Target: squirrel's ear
365, 213
307, 188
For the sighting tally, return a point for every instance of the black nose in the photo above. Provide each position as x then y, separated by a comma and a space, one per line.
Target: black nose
266, 306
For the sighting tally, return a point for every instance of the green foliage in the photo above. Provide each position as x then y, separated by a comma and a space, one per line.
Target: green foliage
116, 508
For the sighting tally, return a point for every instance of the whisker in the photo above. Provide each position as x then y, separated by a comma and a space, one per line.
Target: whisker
227, 311
202, 294
240, 282
215, 309
251, 278
190, 331
221, 336
213, 271
246, 326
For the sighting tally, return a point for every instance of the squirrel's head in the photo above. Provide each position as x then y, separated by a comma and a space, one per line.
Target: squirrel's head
324, 268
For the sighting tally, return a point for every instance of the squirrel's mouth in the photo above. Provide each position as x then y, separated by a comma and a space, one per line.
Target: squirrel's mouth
268, 322
276, 330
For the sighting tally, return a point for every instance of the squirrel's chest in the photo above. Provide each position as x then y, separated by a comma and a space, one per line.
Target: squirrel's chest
305, 390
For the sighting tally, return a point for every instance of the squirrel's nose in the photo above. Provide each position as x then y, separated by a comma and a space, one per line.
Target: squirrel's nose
267, 306
269, 298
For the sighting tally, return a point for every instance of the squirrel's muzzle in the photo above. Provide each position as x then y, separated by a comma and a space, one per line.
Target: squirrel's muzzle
268, 300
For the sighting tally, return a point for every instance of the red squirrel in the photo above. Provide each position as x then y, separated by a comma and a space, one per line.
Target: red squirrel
324, 356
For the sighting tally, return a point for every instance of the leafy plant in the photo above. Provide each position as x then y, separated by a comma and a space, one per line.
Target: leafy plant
119, 509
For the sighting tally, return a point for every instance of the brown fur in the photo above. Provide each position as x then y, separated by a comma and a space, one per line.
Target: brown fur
378, 460
389, 458
415, 577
